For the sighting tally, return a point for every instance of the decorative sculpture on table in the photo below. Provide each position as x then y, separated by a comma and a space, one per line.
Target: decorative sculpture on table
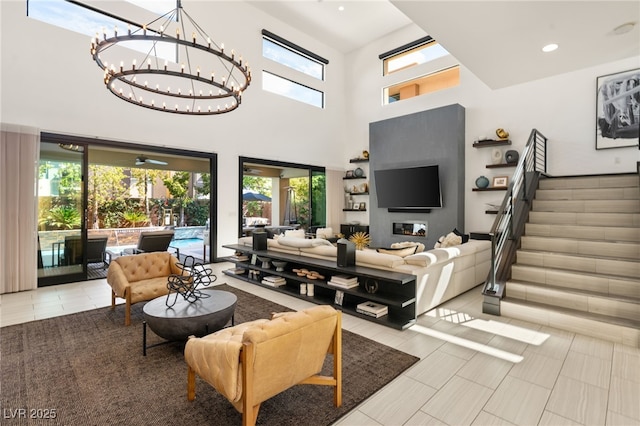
186, 284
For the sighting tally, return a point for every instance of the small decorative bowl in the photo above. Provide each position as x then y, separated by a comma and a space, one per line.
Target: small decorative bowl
265, 261
279, 264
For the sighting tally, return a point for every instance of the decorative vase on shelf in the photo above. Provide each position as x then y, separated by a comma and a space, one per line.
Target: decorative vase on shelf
496, 156
482, 182
511, 156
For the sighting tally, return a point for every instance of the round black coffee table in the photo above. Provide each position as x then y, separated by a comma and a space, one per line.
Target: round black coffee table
183, 319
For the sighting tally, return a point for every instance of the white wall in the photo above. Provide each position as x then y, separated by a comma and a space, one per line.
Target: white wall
563, 108
48, 80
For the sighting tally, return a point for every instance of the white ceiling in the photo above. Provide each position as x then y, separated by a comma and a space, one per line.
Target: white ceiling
499, 41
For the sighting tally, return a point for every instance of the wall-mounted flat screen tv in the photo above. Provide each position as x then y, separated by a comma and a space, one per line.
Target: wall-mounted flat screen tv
409, 188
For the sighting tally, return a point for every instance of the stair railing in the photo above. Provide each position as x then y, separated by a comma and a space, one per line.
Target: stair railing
508, 226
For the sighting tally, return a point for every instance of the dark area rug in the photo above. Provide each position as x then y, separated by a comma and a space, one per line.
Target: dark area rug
88, 369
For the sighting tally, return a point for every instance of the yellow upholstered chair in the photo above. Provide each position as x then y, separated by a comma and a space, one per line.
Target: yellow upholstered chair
254, 361
141, 277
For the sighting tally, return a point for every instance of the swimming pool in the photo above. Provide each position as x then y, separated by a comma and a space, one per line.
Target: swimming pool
186, 242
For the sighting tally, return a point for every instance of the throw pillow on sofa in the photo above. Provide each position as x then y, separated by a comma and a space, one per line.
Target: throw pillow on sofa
297, 233
449, 240
325, 233
399, 251
403, 244
465, 237
302, 242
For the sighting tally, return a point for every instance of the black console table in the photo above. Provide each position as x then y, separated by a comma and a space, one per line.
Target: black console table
395, 290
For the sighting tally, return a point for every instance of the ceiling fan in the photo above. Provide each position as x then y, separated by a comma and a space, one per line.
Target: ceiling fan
141, 160
251, 171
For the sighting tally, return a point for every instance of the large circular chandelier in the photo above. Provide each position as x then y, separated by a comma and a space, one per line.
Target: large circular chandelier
174, 67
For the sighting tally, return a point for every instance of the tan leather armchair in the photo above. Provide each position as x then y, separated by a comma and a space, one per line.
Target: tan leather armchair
254, 361
141, 277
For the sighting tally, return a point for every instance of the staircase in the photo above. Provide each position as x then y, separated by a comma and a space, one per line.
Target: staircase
578, 265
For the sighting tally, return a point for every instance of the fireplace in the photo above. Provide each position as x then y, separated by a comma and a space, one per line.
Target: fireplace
411, 229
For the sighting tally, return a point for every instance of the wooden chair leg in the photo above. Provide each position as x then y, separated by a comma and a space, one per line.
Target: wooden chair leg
191, 384
113, 300
127, 308
337, 362
249, 410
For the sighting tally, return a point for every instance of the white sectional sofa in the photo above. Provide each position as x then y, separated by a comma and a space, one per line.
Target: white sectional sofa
442, 273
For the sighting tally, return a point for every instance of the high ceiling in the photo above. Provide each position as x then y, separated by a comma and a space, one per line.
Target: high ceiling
499, 41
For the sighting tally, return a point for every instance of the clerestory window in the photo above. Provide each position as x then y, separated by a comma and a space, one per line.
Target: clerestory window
411, 55
298, 59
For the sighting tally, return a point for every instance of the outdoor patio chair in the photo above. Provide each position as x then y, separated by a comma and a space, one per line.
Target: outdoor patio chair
153, 241
96, 250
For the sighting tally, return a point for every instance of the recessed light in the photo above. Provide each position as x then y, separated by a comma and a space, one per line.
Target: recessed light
340, 8
624, 28
550, 47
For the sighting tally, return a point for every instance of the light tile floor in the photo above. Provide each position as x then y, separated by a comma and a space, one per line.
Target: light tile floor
475, 368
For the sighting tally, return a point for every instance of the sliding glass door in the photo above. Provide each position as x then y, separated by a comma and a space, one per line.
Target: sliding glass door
61, 213
281, 195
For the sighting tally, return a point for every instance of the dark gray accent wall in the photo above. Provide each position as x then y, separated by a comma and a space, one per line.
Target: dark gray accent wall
424, 138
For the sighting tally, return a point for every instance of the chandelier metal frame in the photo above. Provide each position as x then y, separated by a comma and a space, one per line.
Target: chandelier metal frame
123, 82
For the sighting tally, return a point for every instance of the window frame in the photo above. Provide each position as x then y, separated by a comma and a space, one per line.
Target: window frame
297, 84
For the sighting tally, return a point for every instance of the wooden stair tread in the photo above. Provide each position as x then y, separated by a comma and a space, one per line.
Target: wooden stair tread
582, 273
628, 299
623, 322
587, 256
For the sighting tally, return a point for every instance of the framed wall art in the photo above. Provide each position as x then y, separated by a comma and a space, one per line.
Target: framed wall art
500, 181
618, 110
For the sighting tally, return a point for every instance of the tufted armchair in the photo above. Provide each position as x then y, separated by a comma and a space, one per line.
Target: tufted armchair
254, 361
141, 277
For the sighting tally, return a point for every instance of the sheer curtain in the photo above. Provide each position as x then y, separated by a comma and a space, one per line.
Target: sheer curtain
19, 154
335, 198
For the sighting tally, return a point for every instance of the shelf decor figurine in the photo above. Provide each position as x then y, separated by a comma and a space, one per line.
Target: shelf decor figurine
482, 182
502, 133
185, 284
360, 239
496, 156
511, 156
